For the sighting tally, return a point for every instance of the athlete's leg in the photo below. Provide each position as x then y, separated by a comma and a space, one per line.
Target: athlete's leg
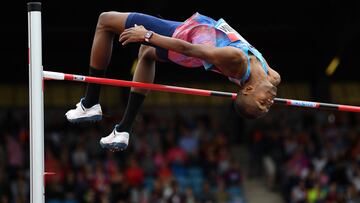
145, 72
145, 69
109, 24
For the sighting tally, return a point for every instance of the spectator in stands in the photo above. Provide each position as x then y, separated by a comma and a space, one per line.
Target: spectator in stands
134, 175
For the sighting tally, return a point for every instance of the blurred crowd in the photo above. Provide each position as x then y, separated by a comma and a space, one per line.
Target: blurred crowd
307, 156
169, 159
310, 157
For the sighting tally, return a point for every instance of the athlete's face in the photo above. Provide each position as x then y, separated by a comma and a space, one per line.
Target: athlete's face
254, 102
263, 96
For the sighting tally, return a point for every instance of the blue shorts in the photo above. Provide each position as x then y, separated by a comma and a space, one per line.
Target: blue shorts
157, 25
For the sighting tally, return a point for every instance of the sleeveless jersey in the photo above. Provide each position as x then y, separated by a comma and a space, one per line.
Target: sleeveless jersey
200, 29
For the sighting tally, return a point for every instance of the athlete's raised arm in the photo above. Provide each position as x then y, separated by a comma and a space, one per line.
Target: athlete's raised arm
224, 57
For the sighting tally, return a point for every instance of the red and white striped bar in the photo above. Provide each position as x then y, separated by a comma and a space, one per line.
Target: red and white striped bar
317, 105
49, 75
125, 83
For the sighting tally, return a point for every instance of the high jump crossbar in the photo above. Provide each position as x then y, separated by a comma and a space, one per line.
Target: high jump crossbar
192, 91
36, 104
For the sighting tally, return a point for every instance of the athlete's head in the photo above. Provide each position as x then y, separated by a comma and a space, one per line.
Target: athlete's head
254, 101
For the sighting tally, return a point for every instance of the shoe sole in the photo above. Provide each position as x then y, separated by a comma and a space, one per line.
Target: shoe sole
114, 146
86, 119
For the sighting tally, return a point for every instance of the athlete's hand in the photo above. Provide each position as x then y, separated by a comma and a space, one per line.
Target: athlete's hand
133, 34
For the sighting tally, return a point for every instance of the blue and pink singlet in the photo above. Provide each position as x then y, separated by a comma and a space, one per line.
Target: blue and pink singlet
198, 29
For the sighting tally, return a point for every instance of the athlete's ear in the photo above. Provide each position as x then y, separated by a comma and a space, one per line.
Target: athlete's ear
246, 90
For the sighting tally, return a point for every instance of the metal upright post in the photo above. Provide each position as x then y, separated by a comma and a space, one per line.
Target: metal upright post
36, 104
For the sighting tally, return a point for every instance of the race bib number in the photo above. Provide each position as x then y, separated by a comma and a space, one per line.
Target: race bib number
229, 31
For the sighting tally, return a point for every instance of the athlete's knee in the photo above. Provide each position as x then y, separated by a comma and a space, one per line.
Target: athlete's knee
106, 19
146, 52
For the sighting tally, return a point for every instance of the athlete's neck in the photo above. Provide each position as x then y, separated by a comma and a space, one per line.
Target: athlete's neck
257, 72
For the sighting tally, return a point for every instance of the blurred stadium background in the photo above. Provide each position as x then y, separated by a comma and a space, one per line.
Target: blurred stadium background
188, 148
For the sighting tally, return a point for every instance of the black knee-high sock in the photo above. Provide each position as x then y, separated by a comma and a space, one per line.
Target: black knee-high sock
134, 103
93, 90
